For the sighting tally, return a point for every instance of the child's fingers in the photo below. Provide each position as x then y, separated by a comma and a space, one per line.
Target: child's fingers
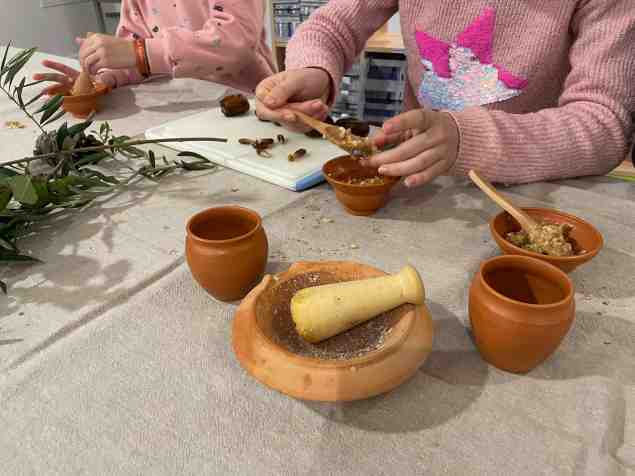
427, 175
403, 151
412, 166
415, 119
62, 68
58, 78
286, 117
281, 91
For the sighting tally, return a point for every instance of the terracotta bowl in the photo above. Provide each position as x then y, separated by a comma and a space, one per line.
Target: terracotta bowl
520, 310
372, 358
83, 105
360, 200
226, 249
584, 237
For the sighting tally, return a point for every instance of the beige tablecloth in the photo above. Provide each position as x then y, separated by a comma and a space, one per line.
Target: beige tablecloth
113, 361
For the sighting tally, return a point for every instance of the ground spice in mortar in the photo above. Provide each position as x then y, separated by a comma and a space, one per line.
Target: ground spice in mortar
362, 339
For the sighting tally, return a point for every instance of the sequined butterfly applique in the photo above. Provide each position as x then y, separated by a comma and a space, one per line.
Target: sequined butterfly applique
461, 74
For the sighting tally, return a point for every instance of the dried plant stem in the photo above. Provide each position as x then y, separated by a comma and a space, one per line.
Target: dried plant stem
113, 147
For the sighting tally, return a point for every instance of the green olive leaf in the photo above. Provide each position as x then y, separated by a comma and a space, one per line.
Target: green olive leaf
23, 189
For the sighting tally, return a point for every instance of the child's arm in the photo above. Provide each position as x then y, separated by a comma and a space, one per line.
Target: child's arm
336, 34
224, 46
588, 133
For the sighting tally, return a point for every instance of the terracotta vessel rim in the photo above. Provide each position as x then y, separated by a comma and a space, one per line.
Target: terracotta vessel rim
360, 361
558, 259
244, 210
516, 259
388, 180
100, 89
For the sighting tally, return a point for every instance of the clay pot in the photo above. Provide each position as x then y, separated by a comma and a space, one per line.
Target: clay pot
584, 237
83, 105
226, 249
357, 199
263, 319
520, 309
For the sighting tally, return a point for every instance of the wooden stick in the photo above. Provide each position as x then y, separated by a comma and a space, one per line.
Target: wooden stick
526, 222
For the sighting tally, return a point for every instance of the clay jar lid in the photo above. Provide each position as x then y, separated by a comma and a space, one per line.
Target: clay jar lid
368, 360
357, 199
585, 237
520, 309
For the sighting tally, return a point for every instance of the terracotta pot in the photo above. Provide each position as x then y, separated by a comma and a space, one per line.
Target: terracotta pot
81, 106
584, 237
226, 249
520, 309
264, 316
361, 200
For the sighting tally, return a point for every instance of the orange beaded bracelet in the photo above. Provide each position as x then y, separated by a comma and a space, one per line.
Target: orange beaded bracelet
142, 58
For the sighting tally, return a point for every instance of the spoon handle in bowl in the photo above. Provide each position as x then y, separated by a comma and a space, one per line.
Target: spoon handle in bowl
526, 222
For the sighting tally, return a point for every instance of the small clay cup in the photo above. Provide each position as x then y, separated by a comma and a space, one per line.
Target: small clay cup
520, 309
83, 105
584, 237
226, 249
362, 200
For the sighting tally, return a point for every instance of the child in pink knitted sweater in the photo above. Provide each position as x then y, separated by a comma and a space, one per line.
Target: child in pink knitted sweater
520, 90
221, 41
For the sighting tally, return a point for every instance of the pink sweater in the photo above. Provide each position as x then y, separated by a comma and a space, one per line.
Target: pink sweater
222, 41
540, 89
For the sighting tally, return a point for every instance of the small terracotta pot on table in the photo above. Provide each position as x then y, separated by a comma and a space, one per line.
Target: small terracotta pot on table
362, 200
226, 249
520, 309
584, 236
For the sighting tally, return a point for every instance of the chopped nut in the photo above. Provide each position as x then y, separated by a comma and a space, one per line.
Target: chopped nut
297, 154
14, 125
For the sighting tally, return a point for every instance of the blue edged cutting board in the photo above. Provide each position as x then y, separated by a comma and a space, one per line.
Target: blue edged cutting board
298, 175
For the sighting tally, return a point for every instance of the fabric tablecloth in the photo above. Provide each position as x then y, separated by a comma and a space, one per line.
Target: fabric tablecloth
114, 361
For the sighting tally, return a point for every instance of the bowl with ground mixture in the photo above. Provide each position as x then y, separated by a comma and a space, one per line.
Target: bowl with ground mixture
361, 190
370, 359
563, 240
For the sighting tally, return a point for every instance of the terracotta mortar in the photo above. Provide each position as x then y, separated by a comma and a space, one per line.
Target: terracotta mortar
372, 358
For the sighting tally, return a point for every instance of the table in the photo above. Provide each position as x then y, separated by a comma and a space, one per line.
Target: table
113, 361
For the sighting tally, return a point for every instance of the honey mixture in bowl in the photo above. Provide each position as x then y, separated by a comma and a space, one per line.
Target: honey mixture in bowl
547, 238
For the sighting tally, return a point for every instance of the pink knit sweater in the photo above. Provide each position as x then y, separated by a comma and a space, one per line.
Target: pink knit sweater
221, 41
540, 89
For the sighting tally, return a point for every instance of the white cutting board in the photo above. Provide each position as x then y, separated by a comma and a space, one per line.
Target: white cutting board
297, 175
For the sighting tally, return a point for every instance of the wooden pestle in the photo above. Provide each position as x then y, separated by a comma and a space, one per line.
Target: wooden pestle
83, 83
323, 311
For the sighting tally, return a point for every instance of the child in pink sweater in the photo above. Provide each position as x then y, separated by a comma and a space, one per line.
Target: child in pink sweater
520, 90
220, 41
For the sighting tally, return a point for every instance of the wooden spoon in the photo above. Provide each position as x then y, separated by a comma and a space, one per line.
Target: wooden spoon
526, 222
355, 145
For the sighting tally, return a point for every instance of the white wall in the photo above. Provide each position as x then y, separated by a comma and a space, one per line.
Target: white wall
51, 29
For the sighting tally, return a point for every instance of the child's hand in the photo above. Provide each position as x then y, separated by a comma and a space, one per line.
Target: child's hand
306, 90
104, 51
65, 77
428, 146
